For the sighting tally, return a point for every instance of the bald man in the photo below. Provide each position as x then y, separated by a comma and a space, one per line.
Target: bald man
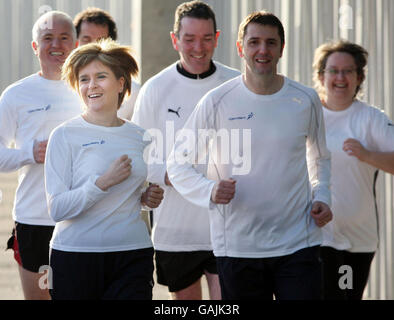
29, 110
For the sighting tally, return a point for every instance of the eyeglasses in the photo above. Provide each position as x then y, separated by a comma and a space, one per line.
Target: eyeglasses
335, 72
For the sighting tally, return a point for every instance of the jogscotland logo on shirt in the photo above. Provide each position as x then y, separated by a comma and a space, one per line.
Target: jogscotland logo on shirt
92, 143
248, 117
46, 108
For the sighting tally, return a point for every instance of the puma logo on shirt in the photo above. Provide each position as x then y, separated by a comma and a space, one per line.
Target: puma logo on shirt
176, 112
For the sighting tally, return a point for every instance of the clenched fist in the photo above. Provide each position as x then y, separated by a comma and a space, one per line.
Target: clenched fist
152, 196
223, 191
321, 213
39, 150
118, 171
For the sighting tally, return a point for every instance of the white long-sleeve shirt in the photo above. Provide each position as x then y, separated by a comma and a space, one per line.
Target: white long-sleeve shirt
164, 104
354, 226
127, 108
271, 137
89, 219
29, 110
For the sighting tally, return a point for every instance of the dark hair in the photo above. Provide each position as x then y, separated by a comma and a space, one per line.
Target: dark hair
97, 16
264, 18
193, 9
116, 57
359, 54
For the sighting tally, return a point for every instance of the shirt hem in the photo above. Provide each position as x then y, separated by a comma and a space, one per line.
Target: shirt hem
101, 249
171, 248
35, 222
265, 254
339, 247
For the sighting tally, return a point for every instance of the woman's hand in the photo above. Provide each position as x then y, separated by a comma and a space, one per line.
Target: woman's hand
118, 171
39, 150
354, 148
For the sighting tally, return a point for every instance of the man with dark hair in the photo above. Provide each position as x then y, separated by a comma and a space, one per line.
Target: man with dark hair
181, 234
265, 221
92, 25
193, 9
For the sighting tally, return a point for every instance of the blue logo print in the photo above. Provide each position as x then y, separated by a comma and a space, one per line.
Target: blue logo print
249, 116
92, 143
40, 109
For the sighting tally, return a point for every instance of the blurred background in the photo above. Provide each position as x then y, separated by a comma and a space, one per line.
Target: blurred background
146, 26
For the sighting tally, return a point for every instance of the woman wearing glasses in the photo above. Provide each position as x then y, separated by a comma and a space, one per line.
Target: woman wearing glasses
361, 141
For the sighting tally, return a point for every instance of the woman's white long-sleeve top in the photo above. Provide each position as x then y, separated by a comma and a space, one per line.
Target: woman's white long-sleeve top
89, 219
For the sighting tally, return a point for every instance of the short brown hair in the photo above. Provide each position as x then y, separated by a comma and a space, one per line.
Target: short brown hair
359, 54
97, 16
193, 9
116, 57
261, 17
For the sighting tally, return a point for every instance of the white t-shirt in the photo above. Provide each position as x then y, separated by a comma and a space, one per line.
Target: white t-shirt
127, 108
29, 110
164, 103
89, 219
354, 225
271, 138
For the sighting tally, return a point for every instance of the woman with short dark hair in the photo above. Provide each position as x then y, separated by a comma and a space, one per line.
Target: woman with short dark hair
95, 172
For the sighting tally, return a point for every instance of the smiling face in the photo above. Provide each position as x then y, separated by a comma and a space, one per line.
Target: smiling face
340, 80
99, 87
53, 46
261, 48
91, 32
196, 44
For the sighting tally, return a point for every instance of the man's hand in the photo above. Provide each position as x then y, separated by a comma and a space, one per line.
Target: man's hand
223, 191
118, 171
152, 196
321, 213
39, 150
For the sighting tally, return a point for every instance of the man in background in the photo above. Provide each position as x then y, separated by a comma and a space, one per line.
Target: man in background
181, 234
92, 25
29, 110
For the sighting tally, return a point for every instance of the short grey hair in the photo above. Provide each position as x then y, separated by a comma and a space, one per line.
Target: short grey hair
46, 19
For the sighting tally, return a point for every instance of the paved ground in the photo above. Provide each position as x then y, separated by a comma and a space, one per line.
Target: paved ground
10, 288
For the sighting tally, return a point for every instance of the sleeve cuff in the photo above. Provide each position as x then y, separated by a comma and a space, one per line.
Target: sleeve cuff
94, 193
29, 152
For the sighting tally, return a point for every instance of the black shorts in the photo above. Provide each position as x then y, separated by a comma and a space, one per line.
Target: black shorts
179, 270
31, 245
122, 275
295, 276
333, 260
